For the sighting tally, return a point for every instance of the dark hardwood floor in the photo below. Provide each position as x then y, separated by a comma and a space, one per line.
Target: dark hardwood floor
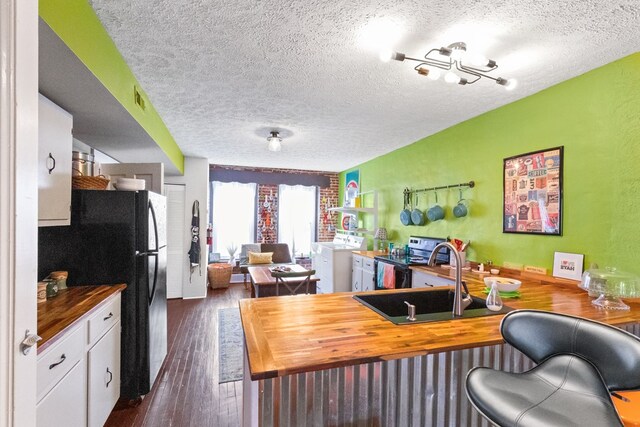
186, 392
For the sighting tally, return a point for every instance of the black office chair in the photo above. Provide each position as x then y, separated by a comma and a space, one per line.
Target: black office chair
294, 285
580, 362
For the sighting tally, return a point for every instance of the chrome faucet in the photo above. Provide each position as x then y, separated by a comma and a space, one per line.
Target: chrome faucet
459, 303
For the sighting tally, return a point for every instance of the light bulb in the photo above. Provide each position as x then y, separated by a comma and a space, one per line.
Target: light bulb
477, 60
385, 55
434, 74
511, 84
274, 144
451, 77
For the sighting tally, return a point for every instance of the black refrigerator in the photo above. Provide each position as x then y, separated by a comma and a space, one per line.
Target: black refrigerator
119, 237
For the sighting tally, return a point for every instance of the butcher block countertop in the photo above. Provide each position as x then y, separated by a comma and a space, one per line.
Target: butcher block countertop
370, 254
302, 333
62, 311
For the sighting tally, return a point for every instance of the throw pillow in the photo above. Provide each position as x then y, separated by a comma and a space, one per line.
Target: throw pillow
260, 257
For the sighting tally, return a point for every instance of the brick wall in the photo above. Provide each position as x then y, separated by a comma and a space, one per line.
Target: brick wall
267, 214
267, 221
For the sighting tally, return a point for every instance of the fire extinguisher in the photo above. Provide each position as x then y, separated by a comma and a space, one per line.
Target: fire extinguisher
209, 234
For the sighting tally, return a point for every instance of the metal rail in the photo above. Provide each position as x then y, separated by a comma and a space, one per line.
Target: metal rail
469, 184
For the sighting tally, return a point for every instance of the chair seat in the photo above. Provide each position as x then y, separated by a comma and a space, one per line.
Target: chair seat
564, 390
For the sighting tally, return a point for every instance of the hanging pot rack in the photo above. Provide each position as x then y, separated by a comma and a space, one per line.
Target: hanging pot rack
469, 184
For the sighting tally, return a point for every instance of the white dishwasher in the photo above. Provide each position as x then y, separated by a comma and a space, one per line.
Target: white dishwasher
332, 262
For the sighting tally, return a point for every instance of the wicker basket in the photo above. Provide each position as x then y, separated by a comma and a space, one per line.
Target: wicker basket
219, 275
89, 182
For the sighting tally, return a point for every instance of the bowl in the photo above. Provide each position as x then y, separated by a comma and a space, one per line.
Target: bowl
130, 184
504, 284
495, 271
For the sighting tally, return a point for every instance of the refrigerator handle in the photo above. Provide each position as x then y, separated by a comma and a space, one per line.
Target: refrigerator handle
155, 225
152, 294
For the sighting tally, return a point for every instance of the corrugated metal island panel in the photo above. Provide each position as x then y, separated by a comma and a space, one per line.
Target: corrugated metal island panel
420, 391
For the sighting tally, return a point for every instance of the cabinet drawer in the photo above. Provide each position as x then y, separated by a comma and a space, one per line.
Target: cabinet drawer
426, 280
368, 264
357, 261
56, 361
105, 318
66, 404
104, 376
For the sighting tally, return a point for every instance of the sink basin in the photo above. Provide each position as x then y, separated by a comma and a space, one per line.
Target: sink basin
431, 306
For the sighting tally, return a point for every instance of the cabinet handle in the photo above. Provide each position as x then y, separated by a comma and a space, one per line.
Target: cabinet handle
429, 285
62, 359
109, 316
110, 377
54, 163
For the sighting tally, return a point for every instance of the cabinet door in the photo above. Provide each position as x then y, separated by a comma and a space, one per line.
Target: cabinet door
367, 280
104, 376
54, 164
356, 279
66, 403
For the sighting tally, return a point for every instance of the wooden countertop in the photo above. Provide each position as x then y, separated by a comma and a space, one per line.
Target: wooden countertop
301, 333
63, 311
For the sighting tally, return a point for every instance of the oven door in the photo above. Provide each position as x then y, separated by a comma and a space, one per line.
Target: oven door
402, 275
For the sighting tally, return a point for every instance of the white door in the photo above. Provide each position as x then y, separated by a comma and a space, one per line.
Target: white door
176, 253
18, 208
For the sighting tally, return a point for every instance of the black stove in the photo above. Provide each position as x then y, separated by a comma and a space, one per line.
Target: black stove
420, 249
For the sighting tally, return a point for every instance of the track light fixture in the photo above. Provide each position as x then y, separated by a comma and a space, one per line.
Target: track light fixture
455, 60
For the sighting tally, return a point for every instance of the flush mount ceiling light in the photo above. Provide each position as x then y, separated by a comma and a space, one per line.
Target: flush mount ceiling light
453, 58
275, 142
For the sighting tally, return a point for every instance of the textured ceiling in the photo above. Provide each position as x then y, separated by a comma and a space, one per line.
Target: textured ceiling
223, 73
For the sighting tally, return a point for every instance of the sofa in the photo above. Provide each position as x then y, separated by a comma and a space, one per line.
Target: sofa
281, 255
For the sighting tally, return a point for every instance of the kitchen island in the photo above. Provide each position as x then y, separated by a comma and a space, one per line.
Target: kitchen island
328, 360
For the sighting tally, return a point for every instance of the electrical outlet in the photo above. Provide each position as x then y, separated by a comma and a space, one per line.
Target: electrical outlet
512, 265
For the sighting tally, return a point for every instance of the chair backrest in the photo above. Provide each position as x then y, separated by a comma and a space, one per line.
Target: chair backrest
540, 335
292, 274
281, 254
245, 248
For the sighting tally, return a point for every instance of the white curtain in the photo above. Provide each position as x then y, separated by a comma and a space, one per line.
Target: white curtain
297, 217
234, 207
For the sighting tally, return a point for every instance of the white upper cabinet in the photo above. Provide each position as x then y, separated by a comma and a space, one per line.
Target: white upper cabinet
54, 164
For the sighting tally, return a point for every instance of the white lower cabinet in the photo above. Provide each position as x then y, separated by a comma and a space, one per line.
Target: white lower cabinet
66, 403
104, 376
78, 377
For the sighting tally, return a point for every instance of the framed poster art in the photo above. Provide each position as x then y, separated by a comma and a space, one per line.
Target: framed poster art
532, 193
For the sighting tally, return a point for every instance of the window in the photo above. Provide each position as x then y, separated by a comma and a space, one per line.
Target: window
233, 215
297, 217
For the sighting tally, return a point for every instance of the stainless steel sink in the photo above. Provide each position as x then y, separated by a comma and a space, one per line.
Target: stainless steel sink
431, 306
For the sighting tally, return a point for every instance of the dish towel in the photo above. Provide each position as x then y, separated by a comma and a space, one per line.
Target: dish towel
386, 276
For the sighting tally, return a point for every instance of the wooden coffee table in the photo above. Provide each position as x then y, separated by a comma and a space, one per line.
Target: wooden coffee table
263, 285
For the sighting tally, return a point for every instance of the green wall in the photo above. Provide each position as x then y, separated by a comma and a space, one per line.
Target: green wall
595, 116
77, 24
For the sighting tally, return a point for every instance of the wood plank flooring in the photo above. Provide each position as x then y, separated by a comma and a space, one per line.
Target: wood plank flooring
187, 392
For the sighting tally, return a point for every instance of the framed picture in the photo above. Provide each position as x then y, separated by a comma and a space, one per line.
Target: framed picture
532, 193
567, 265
